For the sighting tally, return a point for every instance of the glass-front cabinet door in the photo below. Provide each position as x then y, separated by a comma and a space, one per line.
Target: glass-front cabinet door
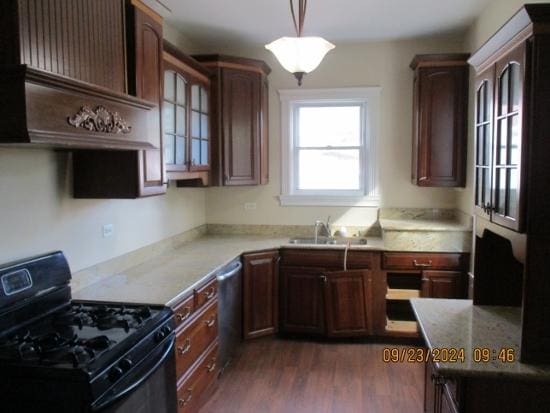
200, 145
186, 123
174, 120
506, 200
484, 142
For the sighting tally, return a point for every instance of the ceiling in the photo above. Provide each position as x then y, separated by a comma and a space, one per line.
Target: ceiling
222, 22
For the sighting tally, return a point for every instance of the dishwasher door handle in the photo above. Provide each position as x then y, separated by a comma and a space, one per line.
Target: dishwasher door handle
230, 273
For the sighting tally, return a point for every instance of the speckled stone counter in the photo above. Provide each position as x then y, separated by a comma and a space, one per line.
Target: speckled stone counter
458, 324
166, 277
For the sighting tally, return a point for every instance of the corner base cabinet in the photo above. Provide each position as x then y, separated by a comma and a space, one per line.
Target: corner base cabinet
261, 290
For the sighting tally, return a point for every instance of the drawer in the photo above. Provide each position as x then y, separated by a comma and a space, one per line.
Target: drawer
421, 261
205, 294
184, 311
192, 340
328, 258
198, 381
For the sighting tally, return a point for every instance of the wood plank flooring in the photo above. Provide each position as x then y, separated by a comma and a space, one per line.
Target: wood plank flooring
291, 376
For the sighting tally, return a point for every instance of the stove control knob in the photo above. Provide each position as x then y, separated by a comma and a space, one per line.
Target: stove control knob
115, 373
125, 364
166, 330
159, 336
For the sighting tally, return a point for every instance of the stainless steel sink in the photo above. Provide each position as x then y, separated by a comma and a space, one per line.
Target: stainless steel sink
329, 241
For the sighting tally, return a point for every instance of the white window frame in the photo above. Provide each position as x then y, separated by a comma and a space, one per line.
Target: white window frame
291, 100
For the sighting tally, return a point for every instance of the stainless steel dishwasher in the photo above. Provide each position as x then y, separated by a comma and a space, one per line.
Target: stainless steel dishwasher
229, 311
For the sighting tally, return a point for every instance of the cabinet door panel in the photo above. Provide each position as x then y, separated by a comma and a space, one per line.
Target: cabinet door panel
241, 100
443, 284
347, 296
260, 308
302, 300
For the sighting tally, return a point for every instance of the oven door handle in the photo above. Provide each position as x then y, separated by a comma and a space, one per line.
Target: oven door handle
152, 366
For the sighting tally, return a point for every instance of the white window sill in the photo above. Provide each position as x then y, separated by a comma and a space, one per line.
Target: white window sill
320, 200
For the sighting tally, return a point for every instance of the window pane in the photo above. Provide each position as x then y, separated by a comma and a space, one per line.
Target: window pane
204, 100
195, 97
502, 141
168, 145
479, 187
514, 87
487, 146
204, 152
481, 103
168, 120
195, 124
480, 139
514, 140
180, 151
329, 126
196, 152
329, 169
180, 120
503, 98
500, 187
182, 98
204, 126
487, 185
513, 177
169, 87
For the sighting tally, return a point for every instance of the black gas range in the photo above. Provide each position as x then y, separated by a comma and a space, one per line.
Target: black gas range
63, 355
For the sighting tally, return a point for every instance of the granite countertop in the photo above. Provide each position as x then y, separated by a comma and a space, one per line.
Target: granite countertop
167, 277
458, 324
424, 225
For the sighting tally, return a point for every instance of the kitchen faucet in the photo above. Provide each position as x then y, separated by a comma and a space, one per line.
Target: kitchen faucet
327, 227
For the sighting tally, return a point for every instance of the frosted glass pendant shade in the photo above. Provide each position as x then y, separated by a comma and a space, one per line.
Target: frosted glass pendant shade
300, 54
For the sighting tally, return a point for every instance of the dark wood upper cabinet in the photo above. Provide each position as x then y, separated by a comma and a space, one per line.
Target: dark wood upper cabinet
260, 284
439, 120
239, 120
63, 77
186, 118
499, 181
348, 298
518, 59
131, 174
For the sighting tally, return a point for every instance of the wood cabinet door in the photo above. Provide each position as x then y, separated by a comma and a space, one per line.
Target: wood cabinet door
441, 106
260, 281
508, 186
264, 139
241, 126
149, 77
484, 89
348, 299
443, 284
302, 300
431, 396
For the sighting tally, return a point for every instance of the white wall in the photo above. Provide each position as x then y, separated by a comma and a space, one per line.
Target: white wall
38, 213
384, 64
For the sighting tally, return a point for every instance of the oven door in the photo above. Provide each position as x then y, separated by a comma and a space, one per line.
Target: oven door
150, 389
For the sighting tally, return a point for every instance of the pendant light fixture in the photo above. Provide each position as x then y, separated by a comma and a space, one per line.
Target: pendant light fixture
299, 55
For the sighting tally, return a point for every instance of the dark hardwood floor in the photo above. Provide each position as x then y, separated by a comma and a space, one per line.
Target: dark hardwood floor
274, 375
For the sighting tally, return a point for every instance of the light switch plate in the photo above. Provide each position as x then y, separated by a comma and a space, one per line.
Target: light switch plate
108, 230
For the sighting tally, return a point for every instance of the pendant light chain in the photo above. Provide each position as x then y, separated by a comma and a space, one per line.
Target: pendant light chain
299, 23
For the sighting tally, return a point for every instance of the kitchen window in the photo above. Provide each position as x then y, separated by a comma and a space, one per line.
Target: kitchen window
329, 147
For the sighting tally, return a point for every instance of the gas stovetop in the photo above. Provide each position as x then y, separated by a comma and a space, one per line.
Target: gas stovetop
79, 335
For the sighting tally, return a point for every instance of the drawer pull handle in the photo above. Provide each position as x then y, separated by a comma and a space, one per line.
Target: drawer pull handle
184, 315
422, 265
185, 348
210, 293
212, 366
211, 322
185, 402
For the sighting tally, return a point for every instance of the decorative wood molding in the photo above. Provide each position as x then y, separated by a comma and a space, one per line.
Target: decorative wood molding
99, 120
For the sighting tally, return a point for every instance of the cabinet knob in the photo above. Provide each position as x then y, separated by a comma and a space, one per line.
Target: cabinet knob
323, 278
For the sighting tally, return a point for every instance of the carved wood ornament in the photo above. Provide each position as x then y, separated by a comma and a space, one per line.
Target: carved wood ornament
99, 120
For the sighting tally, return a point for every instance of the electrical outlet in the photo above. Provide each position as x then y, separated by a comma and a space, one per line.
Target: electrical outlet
249, 206
108, 230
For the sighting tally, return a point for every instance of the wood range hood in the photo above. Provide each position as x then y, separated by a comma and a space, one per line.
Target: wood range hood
63, 77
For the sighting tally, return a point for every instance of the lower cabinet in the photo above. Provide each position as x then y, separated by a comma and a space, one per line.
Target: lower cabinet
443, 284
441, 395
302, 303
348, 298
196, 346
260, 294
